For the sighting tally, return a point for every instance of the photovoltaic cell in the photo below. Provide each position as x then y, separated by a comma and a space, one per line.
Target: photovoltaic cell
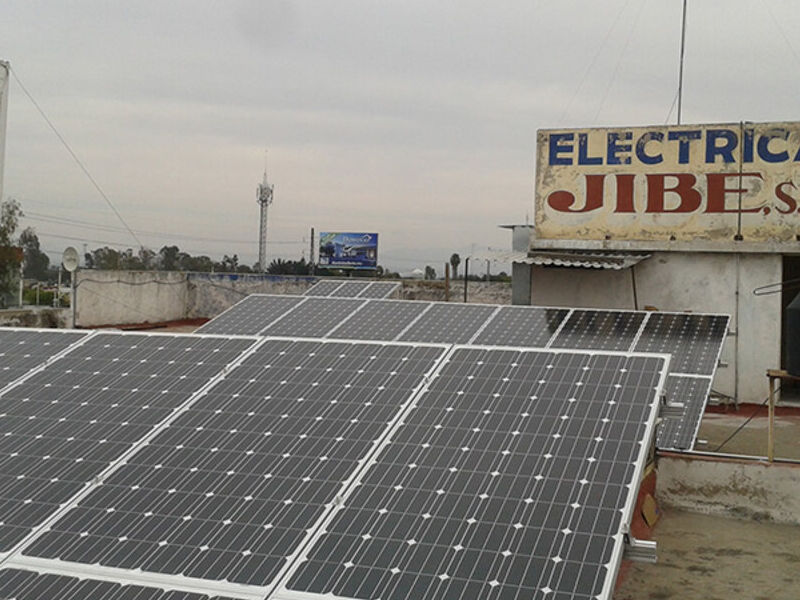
693, 340
681, 433
351, 289
23, 350
449, 323
380, 320
522, 326
323, 288
379, 289
600, 330
28, 585
229, 490
314, 318
513, 477
251, 315
66, 424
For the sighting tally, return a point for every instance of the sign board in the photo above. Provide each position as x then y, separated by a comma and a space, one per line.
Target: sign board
715, 183
348, 250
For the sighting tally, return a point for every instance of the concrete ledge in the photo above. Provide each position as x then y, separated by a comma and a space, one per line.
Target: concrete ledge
730, 487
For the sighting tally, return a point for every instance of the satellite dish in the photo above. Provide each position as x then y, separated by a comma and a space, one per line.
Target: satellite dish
70, 259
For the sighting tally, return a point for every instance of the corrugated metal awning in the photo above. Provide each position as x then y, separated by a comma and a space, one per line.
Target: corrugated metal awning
582, 259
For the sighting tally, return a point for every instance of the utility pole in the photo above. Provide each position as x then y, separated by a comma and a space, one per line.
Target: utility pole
264, 199
311, 254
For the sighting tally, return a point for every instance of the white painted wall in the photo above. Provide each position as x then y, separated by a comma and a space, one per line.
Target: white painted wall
689, 281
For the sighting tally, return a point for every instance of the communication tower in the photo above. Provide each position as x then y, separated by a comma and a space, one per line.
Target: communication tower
264, 199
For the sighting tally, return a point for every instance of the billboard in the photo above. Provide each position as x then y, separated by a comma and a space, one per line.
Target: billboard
339, 250
735, 182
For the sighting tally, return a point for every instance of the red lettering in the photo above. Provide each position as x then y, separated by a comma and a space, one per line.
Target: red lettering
625, 194
791, 203
563, 201
690, 198
717, 191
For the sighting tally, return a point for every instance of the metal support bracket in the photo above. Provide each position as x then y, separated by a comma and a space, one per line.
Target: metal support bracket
639, 550
670, 410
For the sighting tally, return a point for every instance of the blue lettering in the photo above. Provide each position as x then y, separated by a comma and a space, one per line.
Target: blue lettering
730, 141
747, 146
763, 146
583, 152
683, 138
614, 147
556, 148
641, 151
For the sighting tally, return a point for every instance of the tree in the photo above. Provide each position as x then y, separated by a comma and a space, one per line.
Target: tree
168, 258
430, 272
455, 260
10, 255
36, 261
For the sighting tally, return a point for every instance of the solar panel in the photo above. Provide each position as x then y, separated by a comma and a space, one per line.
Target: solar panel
351, 289
22, 350
600, 330
449, 323
315, 317
323, 288
514, 476
522, 326
379, 289
380, 320
681, 433
694, 340
66, 424
20, 584
251, 315
230, 489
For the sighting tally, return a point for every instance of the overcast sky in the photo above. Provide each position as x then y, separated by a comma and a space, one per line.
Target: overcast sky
413, 119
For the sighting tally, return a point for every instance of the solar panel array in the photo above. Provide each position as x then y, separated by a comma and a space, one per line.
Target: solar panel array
22, 350
185, 467
63, 426
512, 477
352, 289
694, 340
31, 585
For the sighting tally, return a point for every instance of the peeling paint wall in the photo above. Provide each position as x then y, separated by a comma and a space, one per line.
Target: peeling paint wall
734, 488
125, 297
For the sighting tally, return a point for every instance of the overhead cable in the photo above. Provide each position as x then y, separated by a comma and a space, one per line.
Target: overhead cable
75, 157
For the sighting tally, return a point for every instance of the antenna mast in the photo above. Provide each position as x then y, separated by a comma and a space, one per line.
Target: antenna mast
680, 72
264, 199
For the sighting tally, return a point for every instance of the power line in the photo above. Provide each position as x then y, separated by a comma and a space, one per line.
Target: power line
34, 216
75, 156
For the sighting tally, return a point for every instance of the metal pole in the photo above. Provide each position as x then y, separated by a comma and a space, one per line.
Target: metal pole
57, 298
21, 282
311, 254
680, 72
73, 300
447, 282
771, 431
466, 277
